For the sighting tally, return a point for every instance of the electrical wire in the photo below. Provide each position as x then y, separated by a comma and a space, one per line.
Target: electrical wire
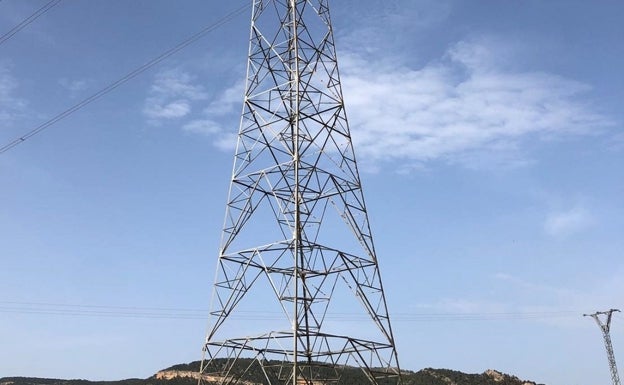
56, 309
38, 308
131, 75
24, 23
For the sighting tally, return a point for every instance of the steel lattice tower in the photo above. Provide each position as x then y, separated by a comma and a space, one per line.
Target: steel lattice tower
296, 241
605, 327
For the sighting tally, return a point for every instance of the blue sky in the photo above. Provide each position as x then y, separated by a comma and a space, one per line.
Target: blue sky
489, 136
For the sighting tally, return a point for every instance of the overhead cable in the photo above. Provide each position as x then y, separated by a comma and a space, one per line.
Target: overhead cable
49, 5
132, 74
72, 310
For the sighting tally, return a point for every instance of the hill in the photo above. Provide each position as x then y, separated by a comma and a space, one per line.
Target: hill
187, 374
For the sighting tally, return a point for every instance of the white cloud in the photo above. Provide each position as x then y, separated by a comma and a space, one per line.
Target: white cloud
484, 54
177, 83
465, 108
74, 86
534, 289
225, 107
465, 306
416, 14
10, 105
176, 109
411, 17
203, 127
226, 141
222, 139
458, 108
566, 304
228, 102
569, 222
7, 83
513, 297
617, 142
171, 96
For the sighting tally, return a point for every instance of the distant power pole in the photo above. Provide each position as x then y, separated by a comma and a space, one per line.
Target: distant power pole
605, 327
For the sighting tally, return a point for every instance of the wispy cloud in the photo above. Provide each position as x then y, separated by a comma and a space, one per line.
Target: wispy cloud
411, 18
599, 293
516, 298
222, 139
463, 108
467, 107
202, 127
617, 142
227, 102
568, 222
220, 118
532, 288
11, 106
463, 306
171, 96
74, 86
459, 107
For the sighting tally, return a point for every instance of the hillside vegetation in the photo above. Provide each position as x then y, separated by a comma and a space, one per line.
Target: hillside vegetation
186, 374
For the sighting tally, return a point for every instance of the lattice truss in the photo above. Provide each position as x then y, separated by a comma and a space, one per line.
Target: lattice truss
296, 246
605, 328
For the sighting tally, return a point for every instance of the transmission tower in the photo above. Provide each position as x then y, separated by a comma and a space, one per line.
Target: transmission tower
297, 266
605, 328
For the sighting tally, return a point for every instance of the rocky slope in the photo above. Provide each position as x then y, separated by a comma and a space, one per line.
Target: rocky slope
187, 374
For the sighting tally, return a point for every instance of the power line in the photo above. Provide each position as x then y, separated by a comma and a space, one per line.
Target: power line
74, 310
24, 23
131, 75
48, 304
40, 308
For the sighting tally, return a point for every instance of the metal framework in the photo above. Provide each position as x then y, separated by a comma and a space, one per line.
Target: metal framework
297, 273
605, 328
